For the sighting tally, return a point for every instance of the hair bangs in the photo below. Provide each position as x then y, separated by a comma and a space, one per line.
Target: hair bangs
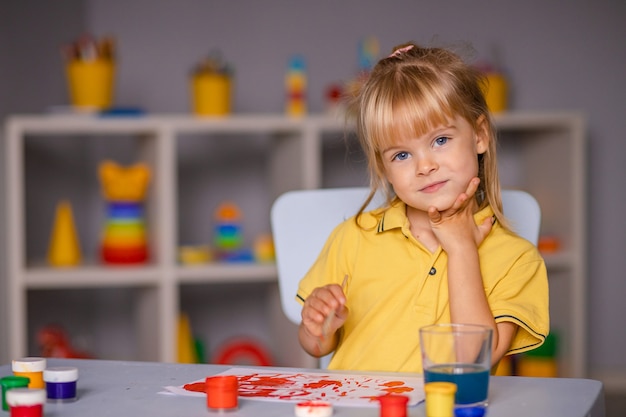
400, 113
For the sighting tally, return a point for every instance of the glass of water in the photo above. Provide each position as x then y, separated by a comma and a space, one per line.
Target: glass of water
461, 354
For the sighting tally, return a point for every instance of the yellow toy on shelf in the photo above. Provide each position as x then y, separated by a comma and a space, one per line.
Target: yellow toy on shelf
185, 342
64, 248
124, 237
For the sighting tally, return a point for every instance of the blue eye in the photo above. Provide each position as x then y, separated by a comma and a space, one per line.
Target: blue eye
440, 141
401, 156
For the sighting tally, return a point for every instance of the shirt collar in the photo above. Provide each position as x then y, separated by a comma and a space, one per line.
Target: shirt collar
395, 217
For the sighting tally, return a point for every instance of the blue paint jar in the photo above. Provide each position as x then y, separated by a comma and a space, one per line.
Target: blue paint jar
61, 383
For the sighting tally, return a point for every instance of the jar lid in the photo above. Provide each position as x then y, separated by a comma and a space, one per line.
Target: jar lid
17, 397
440, 387
314, 409
29, 365
469, 412
219, 382
393, 405
14, 381
60, 374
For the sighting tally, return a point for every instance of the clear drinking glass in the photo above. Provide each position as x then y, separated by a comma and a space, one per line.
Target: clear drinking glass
461, 354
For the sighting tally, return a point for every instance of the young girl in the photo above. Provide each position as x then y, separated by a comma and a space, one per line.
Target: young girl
440, 250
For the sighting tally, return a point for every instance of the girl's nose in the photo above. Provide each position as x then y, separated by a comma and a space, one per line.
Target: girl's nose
425, 165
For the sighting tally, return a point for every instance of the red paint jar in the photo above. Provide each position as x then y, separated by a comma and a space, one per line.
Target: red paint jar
393, 405
222, 392
26, 402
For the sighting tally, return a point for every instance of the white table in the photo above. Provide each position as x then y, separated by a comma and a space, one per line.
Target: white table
115, 388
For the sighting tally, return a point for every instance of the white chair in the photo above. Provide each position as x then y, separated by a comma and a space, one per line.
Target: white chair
523, 212
302, 221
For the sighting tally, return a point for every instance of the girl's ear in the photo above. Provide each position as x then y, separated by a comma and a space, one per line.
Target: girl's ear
482, 135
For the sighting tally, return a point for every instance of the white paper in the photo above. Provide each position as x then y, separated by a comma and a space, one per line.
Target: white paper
339, 389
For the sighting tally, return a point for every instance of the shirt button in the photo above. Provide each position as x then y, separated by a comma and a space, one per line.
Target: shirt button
432, 271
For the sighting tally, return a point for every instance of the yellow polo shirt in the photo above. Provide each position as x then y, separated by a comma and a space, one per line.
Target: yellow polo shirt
396, 286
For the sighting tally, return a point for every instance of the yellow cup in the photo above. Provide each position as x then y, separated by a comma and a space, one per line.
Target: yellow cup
211, 94
496, 93
91, 83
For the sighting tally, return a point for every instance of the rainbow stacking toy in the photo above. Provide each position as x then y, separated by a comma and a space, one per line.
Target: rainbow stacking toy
124, 236
228, 234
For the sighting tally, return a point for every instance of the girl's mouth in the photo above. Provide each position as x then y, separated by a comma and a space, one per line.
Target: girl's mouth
434, 187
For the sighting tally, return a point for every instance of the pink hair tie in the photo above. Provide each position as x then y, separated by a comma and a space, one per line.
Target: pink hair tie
399, 51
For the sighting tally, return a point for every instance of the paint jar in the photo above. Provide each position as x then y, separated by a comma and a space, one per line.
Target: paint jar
26, 402
440, 399
393, 405
10, 382
31, 368
61, 383
222, 392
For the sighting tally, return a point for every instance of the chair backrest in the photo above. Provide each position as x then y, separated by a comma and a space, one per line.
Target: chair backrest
302, 221
523, 212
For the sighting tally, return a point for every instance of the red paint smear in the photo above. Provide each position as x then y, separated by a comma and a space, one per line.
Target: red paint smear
395, 387
256, 379
256, 385
195, 386
323, 383
398, 390
393, 383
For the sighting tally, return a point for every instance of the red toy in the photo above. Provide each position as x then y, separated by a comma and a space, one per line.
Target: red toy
54, 343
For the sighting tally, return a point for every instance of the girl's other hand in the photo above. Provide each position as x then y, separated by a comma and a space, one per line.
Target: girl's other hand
324, 302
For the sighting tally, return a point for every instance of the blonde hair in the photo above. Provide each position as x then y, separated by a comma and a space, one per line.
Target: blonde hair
412, 91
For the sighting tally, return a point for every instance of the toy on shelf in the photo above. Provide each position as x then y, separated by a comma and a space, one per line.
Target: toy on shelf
124, 238
541, 362
190, 349
264, 249
64, 248
337, 94
296, 86
211, 86
54, 342
242, 351
549, 244
228, 237
367, 54
90, 68
334, 100
496, 85
194, 255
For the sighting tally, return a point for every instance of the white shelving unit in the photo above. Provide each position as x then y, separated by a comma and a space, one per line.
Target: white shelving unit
260, 156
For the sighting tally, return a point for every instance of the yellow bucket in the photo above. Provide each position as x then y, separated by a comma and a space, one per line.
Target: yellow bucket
496, 93
211, 94
91, 83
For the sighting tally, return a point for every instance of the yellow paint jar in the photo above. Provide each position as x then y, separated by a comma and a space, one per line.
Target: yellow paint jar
91, 83
440, 399
211, 94
496, 92
31, 368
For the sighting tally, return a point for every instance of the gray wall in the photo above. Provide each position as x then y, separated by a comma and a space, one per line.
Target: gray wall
559, 56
